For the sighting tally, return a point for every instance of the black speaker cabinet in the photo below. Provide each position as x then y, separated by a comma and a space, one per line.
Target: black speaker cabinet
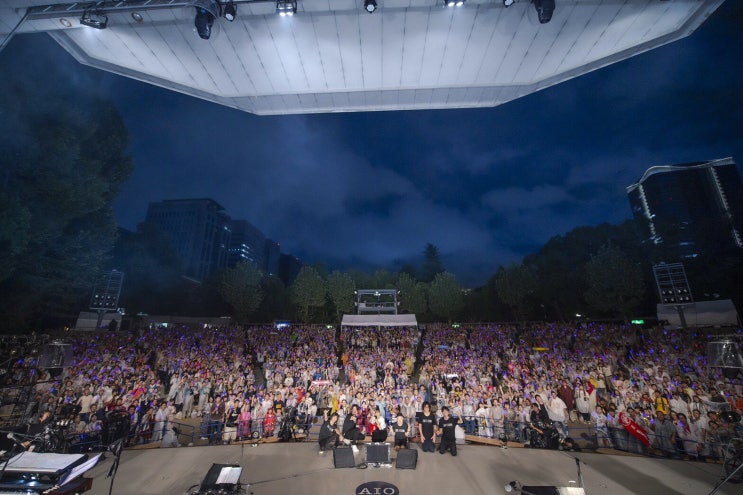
378, 453
343, 457
552, 490
406, 459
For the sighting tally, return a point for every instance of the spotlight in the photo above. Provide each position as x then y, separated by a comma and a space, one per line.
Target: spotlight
508, 3
453, 3
511, 486
545, 9
370, 5
230, 11
65, 22
97, 20
137, 16
286, 7
206, 12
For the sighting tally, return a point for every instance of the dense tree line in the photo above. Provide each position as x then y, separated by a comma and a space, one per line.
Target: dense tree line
598, 272
63, 161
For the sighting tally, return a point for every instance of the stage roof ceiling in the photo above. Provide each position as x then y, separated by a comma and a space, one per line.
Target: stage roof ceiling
333, 56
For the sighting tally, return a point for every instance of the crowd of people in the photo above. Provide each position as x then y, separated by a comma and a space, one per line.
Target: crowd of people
524, 383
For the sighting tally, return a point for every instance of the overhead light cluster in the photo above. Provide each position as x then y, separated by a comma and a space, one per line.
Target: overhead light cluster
286, 7
230, 11
207, 11
94, 18
545, 9
453, 3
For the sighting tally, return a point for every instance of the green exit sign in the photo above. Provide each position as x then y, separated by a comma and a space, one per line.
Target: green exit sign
638, 322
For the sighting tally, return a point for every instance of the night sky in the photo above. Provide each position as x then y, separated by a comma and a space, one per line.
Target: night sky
486, 186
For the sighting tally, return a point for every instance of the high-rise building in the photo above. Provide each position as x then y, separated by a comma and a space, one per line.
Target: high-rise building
273, 253
289, 267
697, 207
248, 244
199, 231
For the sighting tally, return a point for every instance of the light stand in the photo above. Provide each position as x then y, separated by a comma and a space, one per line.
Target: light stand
115, 449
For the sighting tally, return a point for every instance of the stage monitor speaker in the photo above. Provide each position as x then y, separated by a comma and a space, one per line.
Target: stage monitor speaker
222, 478
406, 459
378, 453
343, 457
553, 490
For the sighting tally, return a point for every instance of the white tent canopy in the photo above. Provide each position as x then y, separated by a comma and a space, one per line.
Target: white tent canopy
379, 321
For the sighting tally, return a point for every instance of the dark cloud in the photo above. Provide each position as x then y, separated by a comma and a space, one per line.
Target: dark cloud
487, 186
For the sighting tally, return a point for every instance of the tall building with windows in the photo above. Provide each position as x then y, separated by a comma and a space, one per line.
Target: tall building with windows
696, 206
199, 231
273, 253
248, 244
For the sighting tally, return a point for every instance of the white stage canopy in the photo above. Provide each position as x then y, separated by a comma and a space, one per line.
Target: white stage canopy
379, 321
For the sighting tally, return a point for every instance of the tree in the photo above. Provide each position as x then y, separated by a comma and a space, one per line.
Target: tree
63, 163
513, 285
445, 296
383, 279
275, 302
308, 292
413, 295
431, 263
409, 269
559, 264
340, 292
152, 271
240, 286
615, 284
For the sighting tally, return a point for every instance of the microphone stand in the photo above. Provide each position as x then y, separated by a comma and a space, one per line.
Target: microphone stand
5, 464
717, 488
116, 447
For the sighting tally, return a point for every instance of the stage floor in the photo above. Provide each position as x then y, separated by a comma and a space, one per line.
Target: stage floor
279, 469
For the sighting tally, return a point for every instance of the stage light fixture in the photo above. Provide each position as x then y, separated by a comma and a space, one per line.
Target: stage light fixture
453, 3
286, 7
97, 19
230, 11
370, 5
512, 486
508, 3
65, 22
137, 16
545, 9
206, 12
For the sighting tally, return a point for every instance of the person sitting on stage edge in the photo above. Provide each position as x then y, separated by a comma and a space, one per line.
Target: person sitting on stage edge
380, 431
427, 428
351, 433
447, 424
400, 429
330, 433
